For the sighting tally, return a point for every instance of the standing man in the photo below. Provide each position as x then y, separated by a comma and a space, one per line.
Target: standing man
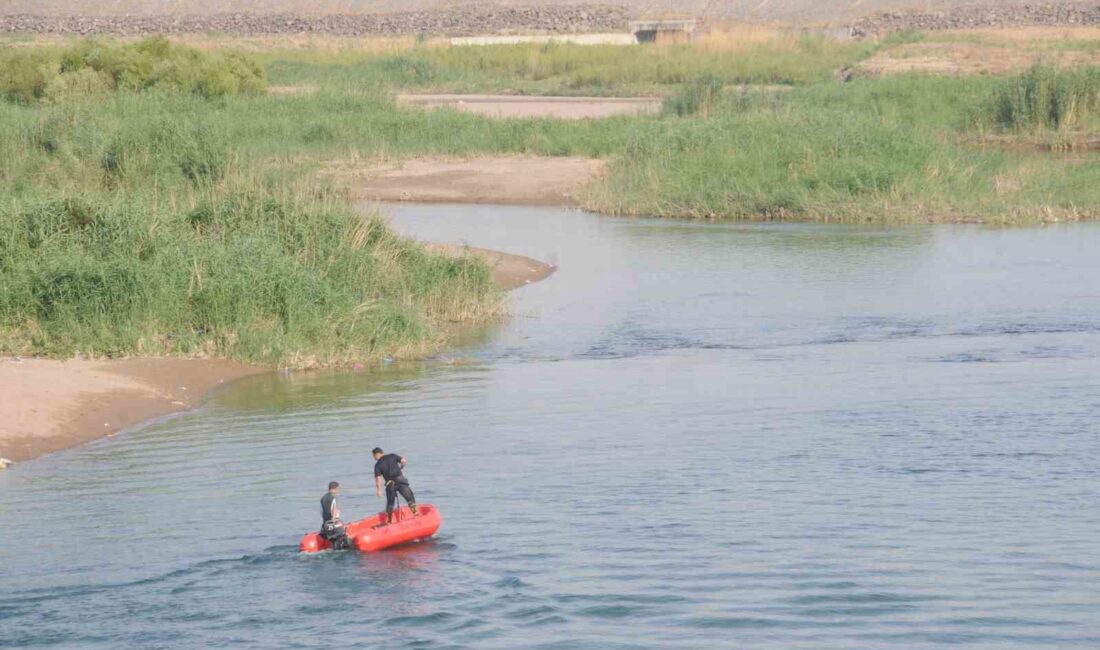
388, 472
332, 528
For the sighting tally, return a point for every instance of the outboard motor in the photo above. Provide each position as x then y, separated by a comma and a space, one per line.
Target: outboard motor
336, 533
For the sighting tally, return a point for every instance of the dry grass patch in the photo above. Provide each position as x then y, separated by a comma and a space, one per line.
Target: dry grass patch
1063, 36
966, 58
306, 89
989, 51
522, 106
744, 38
300, 42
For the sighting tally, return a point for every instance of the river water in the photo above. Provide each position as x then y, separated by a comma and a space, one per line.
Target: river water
691, 436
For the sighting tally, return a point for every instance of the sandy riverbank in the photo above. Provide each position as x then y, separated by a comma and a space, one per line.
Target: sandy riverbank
524, 106
49, 405
510, 180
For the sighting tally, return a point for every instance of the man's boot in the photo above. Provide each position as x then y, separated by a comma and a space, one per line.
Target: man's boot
412, 506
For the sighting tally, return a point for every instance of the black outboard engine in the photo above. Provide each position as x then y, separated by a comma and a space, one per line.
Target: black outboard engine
336, 533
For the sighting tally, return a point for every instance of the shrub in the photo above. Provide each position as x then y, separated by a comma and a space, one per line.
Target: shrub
95, 67
24, 75
84, 82
1045, 97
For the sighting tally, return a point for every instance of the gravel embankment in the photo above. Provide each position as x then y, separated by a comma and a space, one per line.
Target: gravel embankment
495, 19
559, 19
980, 16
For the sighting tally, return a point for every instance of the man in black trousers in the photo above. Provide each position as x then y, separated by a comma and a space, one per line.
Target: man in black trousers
388, 472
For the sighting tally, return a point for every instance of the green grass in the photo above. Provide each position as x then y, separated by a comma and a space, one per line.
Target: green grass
131, 225
699, 97
882, 150
146, 220
566, 69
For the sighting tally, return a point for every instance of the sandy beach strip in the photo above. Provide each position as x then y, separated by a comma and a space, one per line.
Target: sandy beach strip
536, 106
50, 405
502, 180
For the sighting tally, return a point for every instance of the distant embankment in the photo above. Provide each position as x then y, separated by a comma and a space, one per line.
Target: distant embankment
979, 16
466, 19
469, 20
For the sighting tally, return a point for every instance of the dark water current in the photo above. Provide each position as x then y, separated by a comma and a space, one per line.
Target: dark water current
692, 436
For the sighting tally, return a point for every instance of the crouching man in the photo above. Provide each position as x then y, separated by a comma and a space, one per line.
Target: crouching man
332, 528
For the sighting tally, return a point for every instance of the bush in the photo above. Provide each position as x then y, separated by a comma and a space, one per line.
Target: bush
94, 67
84, 82
25, 75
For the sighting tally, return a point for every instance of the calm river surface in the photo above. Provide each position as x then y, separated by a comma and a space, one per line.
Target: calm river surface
691, 436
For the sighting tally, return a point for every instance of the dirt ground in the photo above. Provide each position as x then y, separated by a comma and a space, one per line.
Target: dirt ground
1030, 36
519, 180
51, 405
967, 58
568, 108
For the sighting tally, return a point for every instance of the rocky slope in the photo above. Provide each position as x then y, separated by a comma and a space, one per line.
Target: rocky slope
468, 20
979, 16
355, 17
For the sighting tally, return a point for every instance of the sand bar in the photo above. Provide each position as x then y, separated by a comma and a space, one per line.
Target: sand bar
51, 405
525, 106
513, 180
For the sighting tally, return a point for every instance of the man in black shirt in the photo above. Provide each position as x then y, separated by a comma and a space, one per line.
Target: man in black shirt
388, 472
332, 528
329, 509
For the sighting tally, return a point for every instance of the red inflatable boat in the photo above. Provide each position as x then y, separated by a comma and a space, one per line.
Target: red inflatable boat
374, 534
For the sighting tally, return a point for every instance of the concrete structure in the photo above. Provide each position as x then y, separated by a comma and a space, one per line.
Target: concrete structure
577, 39
663, 31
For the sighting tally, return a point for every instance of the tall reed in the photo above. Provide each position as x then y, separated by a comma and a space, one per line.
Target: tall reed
1048, 98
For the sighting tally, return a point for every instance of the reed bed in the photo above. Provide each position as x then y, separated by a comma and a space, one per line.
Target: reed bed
1046, 98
